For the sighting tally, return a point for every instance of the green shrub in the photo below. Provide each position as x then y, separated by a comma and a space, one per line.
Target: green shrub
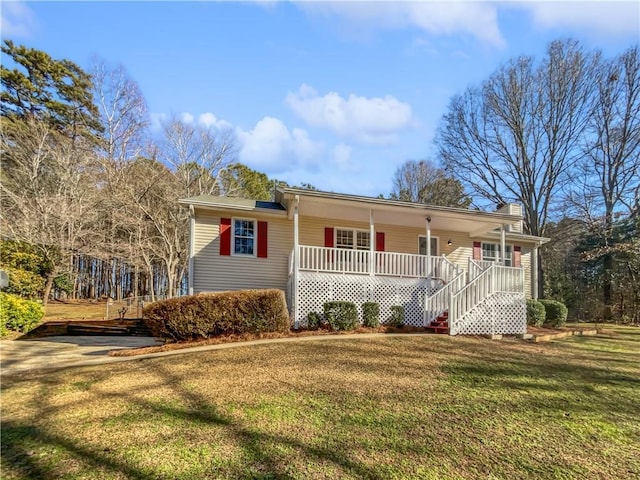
341, 315
370, 314
313, 320
397, 316
24, 283
556, 313
18, 314
208, 315
536, 313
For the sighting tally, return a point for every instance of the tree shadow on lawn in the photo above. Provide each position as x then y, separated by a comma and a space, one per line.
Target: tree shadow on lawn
481, 368
22, 441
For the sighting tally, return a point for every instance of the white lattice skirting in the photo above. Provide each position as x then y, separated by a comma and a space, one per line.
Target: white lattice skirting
314, 289
501, 313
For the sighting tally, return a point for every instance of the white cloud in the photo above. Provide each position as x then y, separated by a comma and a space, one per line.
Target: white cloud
186, 117
209, 120
375, 120
477, 19
16, 20
601, 18
270, 146
206, 119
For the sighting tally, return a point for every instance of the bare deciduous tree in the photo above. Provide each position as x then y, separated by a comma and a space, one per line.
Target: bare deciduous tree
610, 167
515, 137
48, 193
422, 181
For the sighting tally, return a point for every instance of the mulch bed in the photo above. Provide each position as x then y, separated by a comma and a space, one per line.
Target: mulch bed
246, 337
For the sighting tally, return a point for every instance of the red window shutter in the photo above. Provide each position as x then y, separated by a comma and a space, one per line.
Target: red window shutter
379, 241
517, 253
477, 250
262, 239
328, 237
225, 236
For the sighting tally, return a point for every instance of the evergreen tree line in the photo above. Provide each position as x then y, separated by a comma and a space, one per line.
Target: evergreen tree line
89, 192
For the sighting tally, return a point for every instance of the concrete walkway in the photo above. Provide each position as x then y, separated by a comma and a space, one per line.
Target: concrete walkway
19, 356
51, 353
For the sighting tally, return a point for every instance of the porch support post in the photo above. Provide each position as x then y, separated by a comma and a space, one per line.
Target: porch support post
296, 260
503, 246
192, 233
428, 225
372, 239
534, 273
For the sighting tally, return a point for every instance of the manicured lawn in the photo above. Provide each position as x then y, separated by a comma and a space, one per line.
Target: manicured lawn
409, 407
76, 311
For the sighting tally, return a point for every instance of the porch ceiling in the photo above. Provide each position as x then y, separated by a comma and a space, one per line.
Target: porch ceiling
406, 216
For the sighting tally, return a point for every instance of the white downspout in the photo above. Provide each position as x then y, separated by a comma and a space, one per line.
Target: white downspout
296, 260
372, 238
192, 233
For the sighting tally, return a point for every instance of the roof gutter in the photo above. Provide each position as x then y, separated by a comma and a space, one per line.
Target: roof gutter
503, 218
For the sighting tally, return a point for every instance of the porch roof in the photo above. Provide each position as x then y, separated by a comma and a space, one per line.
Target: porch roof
347, 207
234, 204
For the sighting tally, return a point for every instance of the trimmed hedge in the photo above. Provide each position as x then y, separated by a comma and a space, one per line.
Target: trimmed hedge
397, 316
556, 313
212, 314
370, 314
341, 315
313, 320
536, 313
18, 314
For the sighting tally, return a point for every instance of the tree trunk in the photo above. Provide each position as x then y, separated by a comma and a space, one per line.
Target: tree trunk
607, 290
51, 276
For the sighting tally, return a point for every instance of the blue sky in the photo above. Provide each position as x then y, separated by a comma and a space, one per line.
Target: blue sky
333, 94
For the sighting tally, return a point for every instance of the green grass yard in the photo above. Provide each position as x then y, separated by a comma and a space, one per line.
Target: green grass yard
431, 407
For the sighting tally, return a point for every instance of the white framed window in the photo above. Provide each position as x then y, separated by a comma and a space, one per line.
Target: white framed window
244, 236
352, 238
491, 253
422, 245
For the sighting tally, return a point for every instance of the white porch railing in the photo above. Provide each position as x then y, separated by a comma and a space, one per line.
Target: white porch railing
495, 278
405, 264
337, 260
348, 261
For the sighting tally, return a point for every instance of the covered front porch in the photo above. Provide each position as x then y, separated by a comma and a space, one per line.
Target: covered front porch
363, 249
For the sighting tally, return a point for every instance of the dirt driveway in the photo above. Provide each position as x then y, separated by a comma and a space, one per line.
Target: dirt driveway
21, 356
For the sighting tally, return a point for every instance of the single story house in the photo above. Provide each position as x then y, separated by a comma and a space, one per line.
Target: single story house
474, 267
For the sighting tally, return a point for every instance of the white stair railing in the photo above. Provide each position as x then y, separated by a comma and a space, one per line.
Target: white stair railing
448, 269
452, 278
474, 269
438, 303
495, 278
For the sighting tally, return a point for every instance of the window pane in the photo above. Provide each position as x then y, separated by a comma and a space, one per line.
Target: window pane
344, 238
363, 240
423, 246
489, 252
243, 232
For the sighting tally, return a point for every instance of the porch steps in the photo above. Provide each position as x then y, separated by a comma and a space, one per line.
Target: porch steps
439, 325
